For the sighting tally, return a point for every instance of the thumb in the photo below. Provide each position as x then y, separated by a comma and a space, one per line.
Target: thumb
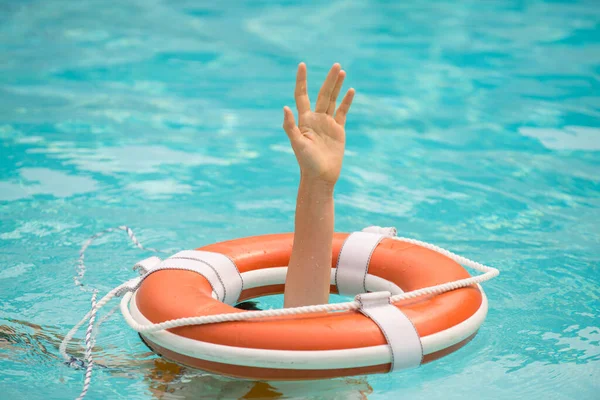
289, 124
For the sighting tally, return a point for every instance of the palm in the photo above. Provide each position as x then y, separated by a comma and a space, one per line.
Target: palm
321, 124
321, 146
318, 140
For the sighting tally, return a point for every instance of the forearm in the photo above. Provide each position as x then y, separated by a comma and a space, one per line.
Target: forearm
309, 269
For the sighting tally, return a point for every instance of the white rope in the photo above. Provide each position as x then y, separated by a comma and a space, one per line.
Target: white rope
81, 268
91, 332
108, 297
488, 273
103, 320
89, 343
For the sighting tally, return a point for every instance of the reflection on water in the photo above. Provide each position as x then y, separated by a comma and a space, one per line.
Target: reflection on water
34, 345
571, 138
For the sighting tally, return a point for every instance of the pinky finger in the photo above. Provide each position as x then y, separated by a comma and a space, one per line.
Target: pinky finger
289, 124
342, 111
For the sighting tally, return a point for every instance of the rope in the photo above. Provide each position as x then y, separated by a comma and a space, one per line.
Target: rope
89, 344
69, 336
488, 273
81, 268
92, 332
103, 320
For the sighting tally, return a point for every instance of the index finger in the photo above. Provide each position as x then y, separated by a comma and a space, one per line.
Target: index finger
302, 101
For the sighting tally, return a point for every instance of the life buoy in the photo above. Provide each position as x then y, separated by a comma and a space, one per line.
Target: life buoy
311, 345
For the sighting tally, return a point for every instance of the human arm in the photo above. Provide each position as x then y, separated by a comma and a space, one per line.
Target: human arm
318, 142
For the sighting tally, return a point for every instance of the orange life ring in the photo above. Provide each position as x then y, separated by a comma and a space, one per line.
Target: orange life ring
444, 322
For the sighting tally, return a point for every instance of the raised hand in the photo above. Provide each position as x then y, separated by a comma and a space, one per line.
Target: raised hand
319, 138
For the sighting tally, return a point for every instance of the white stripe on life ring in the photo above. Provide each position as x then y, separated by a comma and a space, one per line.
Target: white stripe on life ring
276, 276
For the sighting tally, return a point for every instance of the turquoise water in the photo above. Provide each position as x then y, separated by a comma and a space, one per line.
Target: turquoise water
476, 126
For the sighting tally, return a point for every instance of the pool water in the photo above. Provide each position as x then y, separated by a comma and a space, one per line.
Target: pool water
476, 126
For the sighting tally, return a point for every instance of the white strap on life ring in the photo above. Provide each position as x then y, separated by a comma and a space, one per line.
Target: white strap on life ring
223, 269
147, 265
400, 333
219, 270
353, 260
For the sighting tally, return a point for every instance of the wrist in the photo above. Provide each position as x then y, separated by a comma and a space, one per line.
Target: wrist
316, 186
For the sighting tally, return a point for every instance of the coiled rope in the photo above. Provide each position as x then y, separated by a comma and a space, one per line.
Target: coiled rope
92, 331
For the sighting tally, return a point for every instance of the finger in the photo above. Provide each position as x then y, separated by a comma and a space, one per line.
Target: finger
302, 101
342, 111
289, 124
336, 92
327, 89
